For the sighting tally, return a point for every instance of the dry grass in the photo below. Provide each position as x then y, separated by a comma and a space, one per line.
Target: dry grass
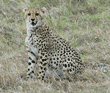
83, 23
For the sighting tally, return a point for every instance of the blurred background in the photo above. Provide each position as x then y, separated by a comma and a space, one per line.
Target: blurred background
85, 24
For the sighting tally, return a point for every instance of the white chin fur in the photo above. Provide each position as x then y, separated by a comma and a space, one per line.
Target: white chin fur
31, 26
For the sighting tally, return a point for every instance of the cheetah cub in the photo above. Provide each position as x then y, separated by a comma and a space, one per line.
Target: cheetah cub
46, 50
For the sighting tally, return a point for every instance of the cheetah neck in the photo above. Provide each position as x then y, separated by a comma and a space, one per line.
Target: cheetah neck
32, 29
42, 29
37, 29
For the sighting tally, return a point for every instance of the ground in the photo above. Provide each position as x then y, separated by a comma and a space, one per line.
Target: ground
85, 24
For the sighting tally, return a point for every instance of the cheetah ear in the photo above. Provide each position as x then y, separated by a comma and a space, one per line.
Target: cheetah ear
25, 9
44, 10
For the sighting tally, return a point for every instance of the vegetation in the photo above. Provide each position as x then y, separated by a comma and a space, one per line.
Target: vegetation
85, 24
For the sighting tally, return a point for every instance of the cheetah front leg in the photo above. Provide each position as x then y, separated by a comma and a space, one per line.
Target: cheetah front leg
44, 58
31, 64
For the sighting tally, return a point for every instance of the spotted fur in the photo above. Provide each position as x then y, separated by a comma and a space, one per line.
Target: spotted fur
47, 50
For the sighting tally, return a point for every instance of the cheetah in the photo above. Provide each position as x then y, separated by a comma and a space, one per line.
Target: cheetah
47, 50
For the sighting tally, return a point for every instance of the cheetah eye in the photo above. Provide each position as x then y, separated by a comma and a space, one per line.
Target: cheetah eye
29, 14
37, 14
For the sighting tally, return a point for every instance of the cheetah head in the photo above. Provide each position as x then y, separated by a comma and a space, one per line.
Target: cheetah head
34, 16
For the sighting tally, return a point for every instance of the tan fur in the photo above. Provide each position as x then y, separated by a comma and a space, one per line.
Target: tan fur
33, 11
51, 53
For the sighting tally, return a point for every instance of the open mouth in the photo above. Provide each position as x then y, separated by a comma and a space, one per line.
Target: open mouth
33, 23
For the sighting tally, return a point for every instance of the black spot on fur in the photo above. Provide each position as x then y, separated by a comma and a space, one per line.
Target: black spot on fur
70, 70
42, 54
50, 59
41, 67
53, 58
65, 65
43, 59
28, 69
73, 69
60, 54
29, 74
30, 58
44, 64
44, 68
68, 59
41, 62
33, 61
32, 71
32, 43
29, 63
42, 77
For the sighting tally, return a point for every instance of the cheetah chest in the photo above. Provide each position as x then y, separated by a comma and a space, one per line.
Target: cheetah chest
32, 45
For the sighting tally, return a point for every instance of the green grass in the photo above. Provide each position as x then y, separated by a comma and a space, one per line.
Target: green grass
84, 24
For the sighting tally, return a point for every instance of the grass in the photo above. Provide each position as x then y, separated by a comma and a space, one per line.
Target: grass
85, 24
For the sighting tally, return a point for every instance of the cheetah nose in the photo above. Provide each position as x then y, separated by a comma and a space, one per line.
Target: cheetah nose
32, 19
